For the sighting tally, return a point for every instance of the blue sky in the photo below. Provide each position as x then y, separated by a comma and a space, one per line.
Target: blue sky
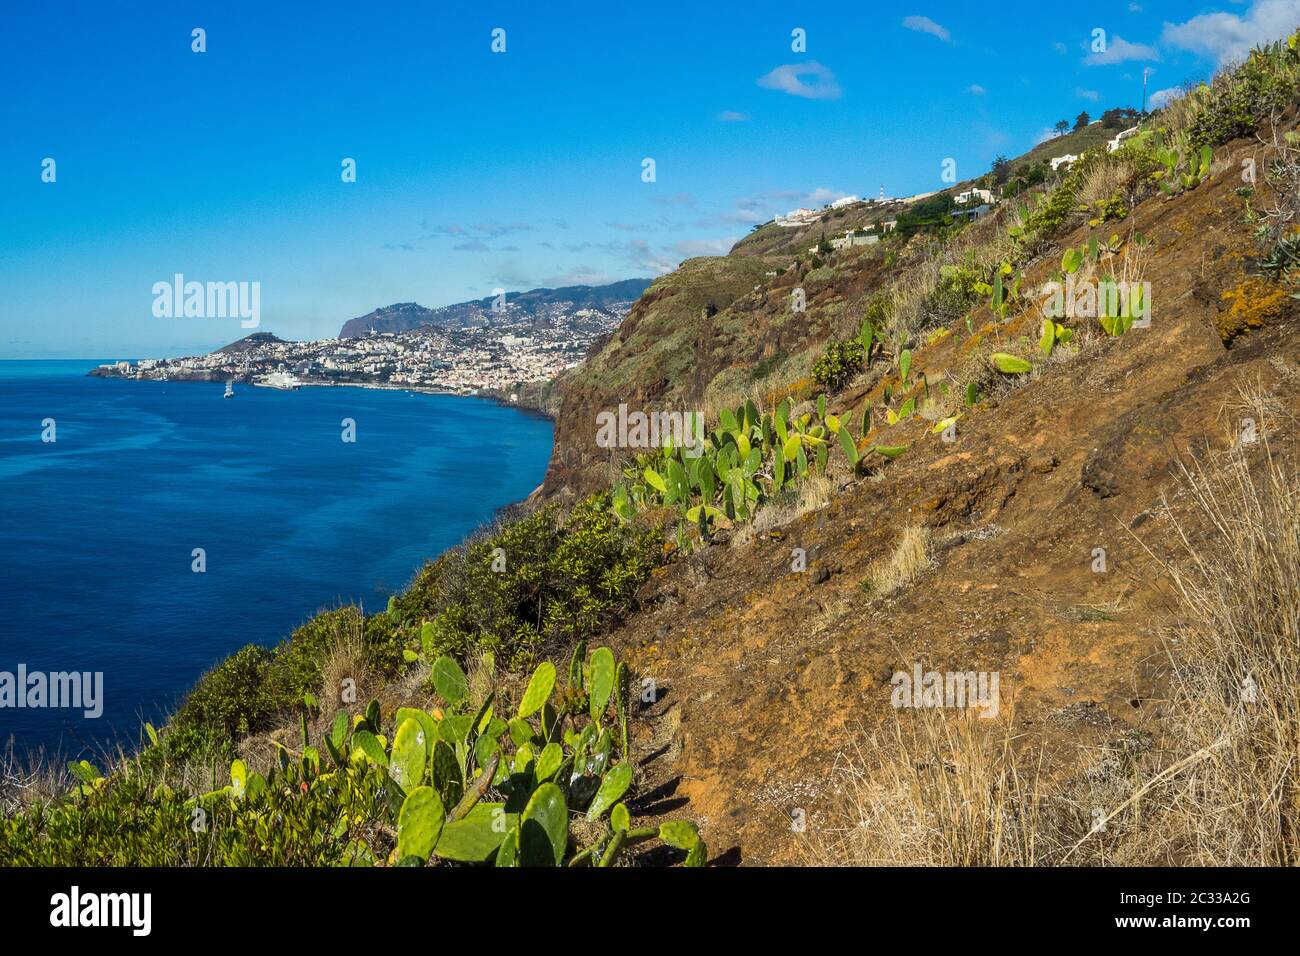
478, 170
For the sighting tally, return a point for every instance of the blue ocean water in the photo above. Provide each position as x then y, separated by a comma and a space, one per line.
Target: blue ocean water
98, 527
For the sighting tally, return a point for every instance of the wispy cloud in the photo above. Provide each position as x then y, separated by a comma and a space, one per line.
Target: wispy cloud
926, 25
491, 230
790, 79
976, 89
1226, 36
676, 199
731, 116
580, 275
1119, 50
689, 248
1087, 94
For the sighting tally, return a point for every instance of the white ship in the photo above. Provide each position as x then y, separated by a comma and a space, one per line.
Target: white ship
230, 390
280, 379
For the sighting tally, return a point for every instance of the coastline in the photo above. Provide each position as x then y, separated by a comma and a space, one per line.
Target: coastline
494, 507
493, 395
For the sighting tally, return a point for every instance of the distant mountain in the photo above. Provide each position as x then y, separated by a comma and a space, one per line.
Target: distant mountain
250, 342
541, 305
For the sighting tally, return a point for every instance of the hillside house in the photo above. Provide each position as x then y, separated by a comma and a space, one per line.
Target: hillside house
851, 238
1067, 161
798, 217
889, 225
975, 195
972, 213
1122, 135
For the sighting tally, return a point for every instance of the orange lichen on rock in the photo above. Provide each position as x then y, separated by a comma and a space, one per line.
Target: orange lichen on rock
1251, 304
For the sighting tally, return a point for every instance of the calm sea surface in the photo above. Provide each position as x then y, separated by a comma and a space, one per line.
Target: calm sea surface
98, 528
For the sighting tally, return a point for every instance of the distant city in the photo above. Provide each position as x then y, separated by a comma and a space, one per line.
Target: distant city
466, 349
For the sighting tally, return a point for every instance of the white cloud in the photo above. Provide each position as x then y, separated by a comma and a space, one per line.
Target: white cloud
787, 79
976, 89
639, 253
1119, 50
731, 116
1044, 135
1087, 94
1161, 98
1224, 37
926, 25
703, 247
582, 275
1059, 48
821, 195
676, 199
1135, 8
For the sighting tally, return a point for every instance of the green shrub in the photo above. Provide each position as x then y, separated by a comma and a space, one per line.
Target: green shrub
485, 780
838, 364
255, 687
553, 580
226, 703
1235, 102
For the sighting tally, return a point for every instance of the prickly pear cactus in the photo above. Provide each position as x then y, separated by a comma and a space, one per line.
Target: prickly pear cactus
539, 689
419, 823
544, 828
406, 762
611, 790
603, 668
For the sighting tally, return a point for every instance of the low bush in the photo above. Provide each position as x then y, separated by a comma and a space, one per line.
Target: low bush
541, 778
838, 364
255, 687
530, 586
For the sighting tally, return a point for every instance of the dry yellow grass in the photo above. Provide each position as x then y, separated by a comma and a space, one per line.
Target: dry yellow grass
1112, 175
938, 790
910, 558
1236, 654
813, 492
944, 789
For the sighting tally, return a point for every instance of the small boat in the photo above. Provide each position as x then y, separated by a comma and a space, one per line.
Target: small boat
230, 390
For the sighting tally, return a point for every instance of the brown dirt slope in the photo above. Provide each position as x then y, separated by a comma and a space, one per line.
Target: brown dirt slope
767, 675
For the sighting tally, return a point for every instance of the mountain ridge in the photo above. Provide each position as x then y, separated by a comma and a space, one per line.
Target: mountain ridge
404, 316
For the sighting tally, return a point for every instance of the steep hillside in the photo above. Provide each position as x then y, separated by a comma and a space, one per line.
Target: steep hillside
772, 679
1045, 464
725, 327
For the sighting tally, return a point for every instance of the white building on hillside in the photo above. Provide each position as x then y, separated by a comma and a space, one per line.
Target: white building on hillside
1122, 135
798, 217
1069, 159
846, 201
853, 238
975, 195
